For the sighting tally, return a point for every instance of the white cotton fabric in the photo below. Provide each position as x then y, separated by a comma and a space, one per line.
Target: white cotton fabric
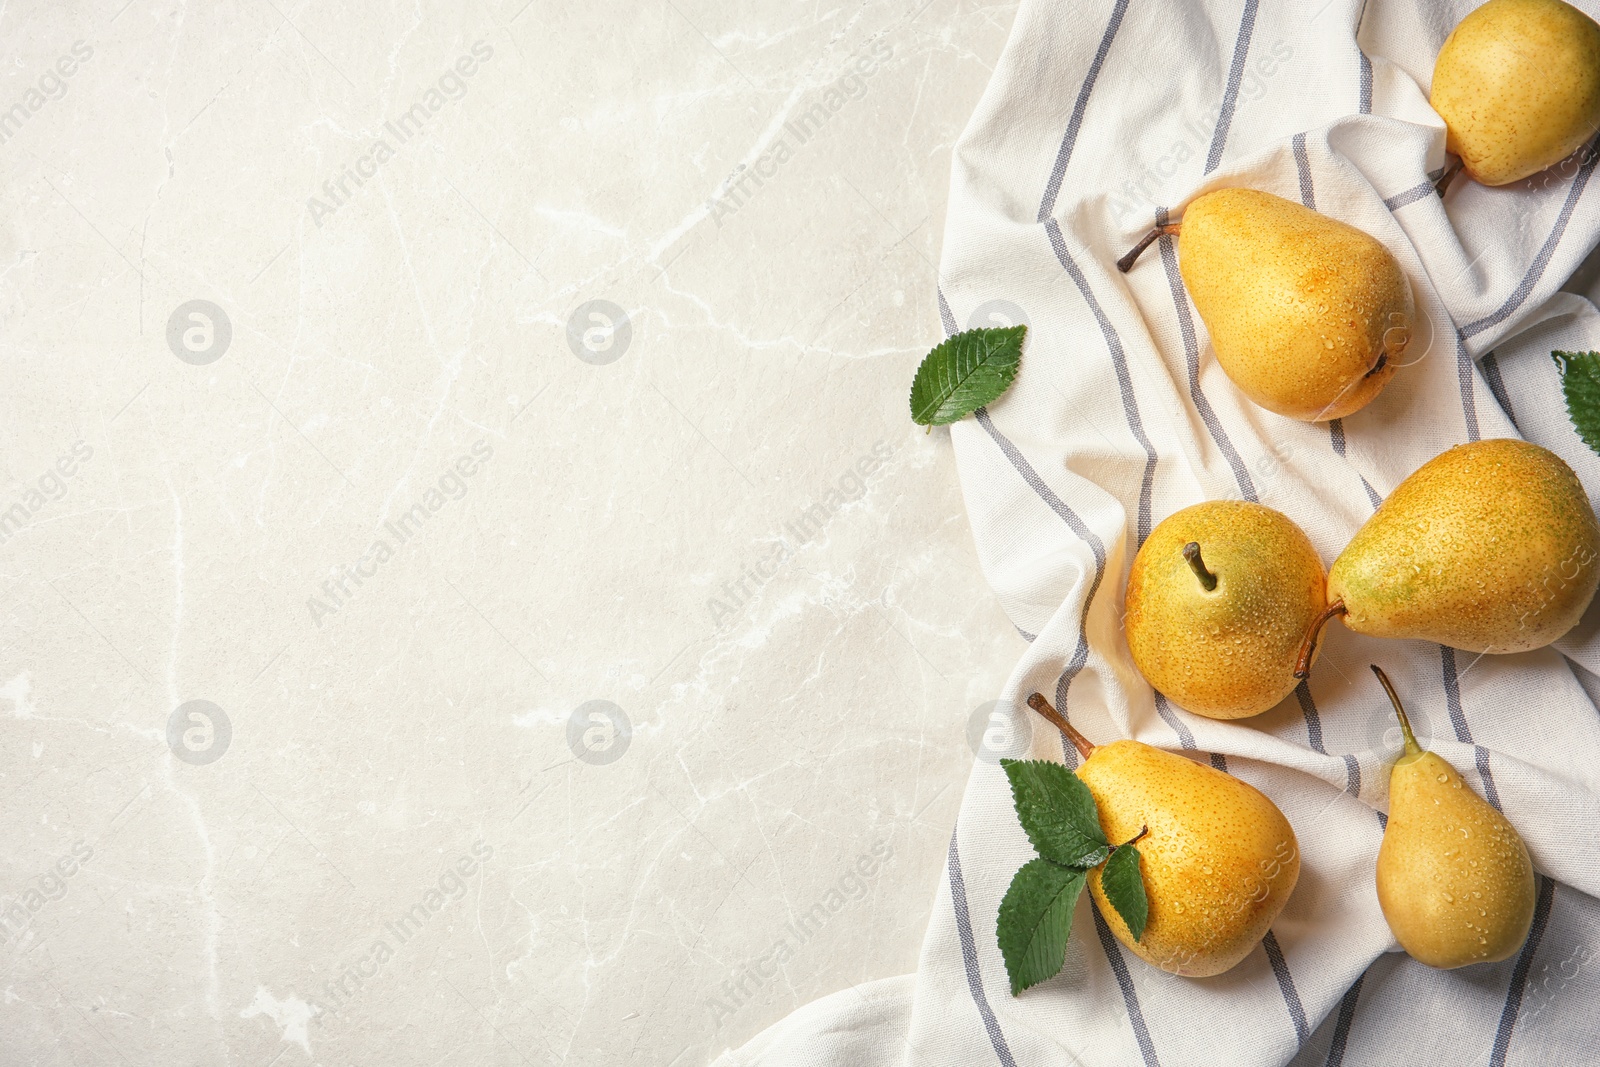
1100, 113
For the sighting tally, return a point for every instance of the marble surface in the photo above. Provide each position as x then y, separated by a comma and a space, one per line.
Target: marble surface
471, 591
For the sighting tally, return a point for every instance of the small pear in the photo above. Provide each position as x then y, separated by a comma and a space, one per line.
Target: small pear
1309, 316
1518, 87
1489, 547
1219, 599
1219, 860
1454, 879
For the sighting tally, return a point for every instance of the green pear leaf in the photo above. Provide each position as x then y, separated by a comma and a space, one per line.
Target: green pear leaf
1035, 921
964, 373
1123, 885
1580, 384
1057, 812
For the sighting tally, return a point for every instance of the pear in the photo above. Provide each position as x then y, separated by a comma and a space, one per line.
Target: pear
1518, 87
1309, 316
1454, 879
1489, 547
1218, 601
1219, 860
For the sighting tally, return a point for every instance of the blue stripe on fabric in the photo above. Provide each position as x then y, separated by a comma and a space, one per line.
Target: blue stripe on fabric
1191, 348
1364, 104
1458, 719
1491, 374
1119, 361
1080, 655
1302, 165
1186, 739
1469, 401
1341, 1028
1336, 435
1130, 998
1291, 996
1452, 695
1536, 269
1064, 153
1308, 706
1230, 97
1417, 192
946, 316
1037, 484
1164, 709
1519, 973
949, 319
1481, 758
969, 956
1352, 774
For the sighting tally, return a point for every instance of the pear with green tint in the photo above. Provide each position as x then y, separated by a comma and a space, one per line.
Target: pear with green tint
1454, 879
1218, 600
1489, 547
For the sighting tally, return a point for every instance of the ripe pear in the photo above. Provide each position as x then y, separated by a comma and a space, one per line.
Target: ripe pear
1218, 601
1454, 879
1309, 316
1489, 547
1219, 860
1518, 87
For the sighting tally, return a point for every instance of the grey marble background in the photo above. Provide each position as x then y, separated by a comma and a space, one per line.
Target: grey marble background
468, 583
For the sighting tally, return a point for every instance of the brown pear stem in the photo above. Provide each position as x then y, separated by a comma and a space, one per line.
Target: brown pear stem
1038, 703
1412, 748
1302, 665
1136, 838
1447, 177
1125, 264
1191, 552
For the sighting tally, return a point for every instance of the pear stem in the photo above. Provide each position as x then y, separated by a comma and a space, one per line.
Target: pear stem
1412, 748
1191, 552
1125, 264
1136, 838
1084, 746
1302, 665
1447, 177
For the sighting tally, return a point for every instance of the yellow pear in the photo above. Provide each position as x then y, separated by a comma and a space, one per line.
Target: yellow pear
1309, 316
1219, 860
1518, 87
1454, 879
1488, 547
1219, 599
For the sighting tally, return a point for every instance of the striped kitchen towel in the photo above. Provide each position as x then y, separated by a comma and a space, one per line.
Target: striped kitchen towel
1102, 117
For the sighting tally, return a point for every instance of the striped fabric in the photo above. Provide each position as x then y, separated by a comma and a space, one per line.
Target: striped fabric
1102, 117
